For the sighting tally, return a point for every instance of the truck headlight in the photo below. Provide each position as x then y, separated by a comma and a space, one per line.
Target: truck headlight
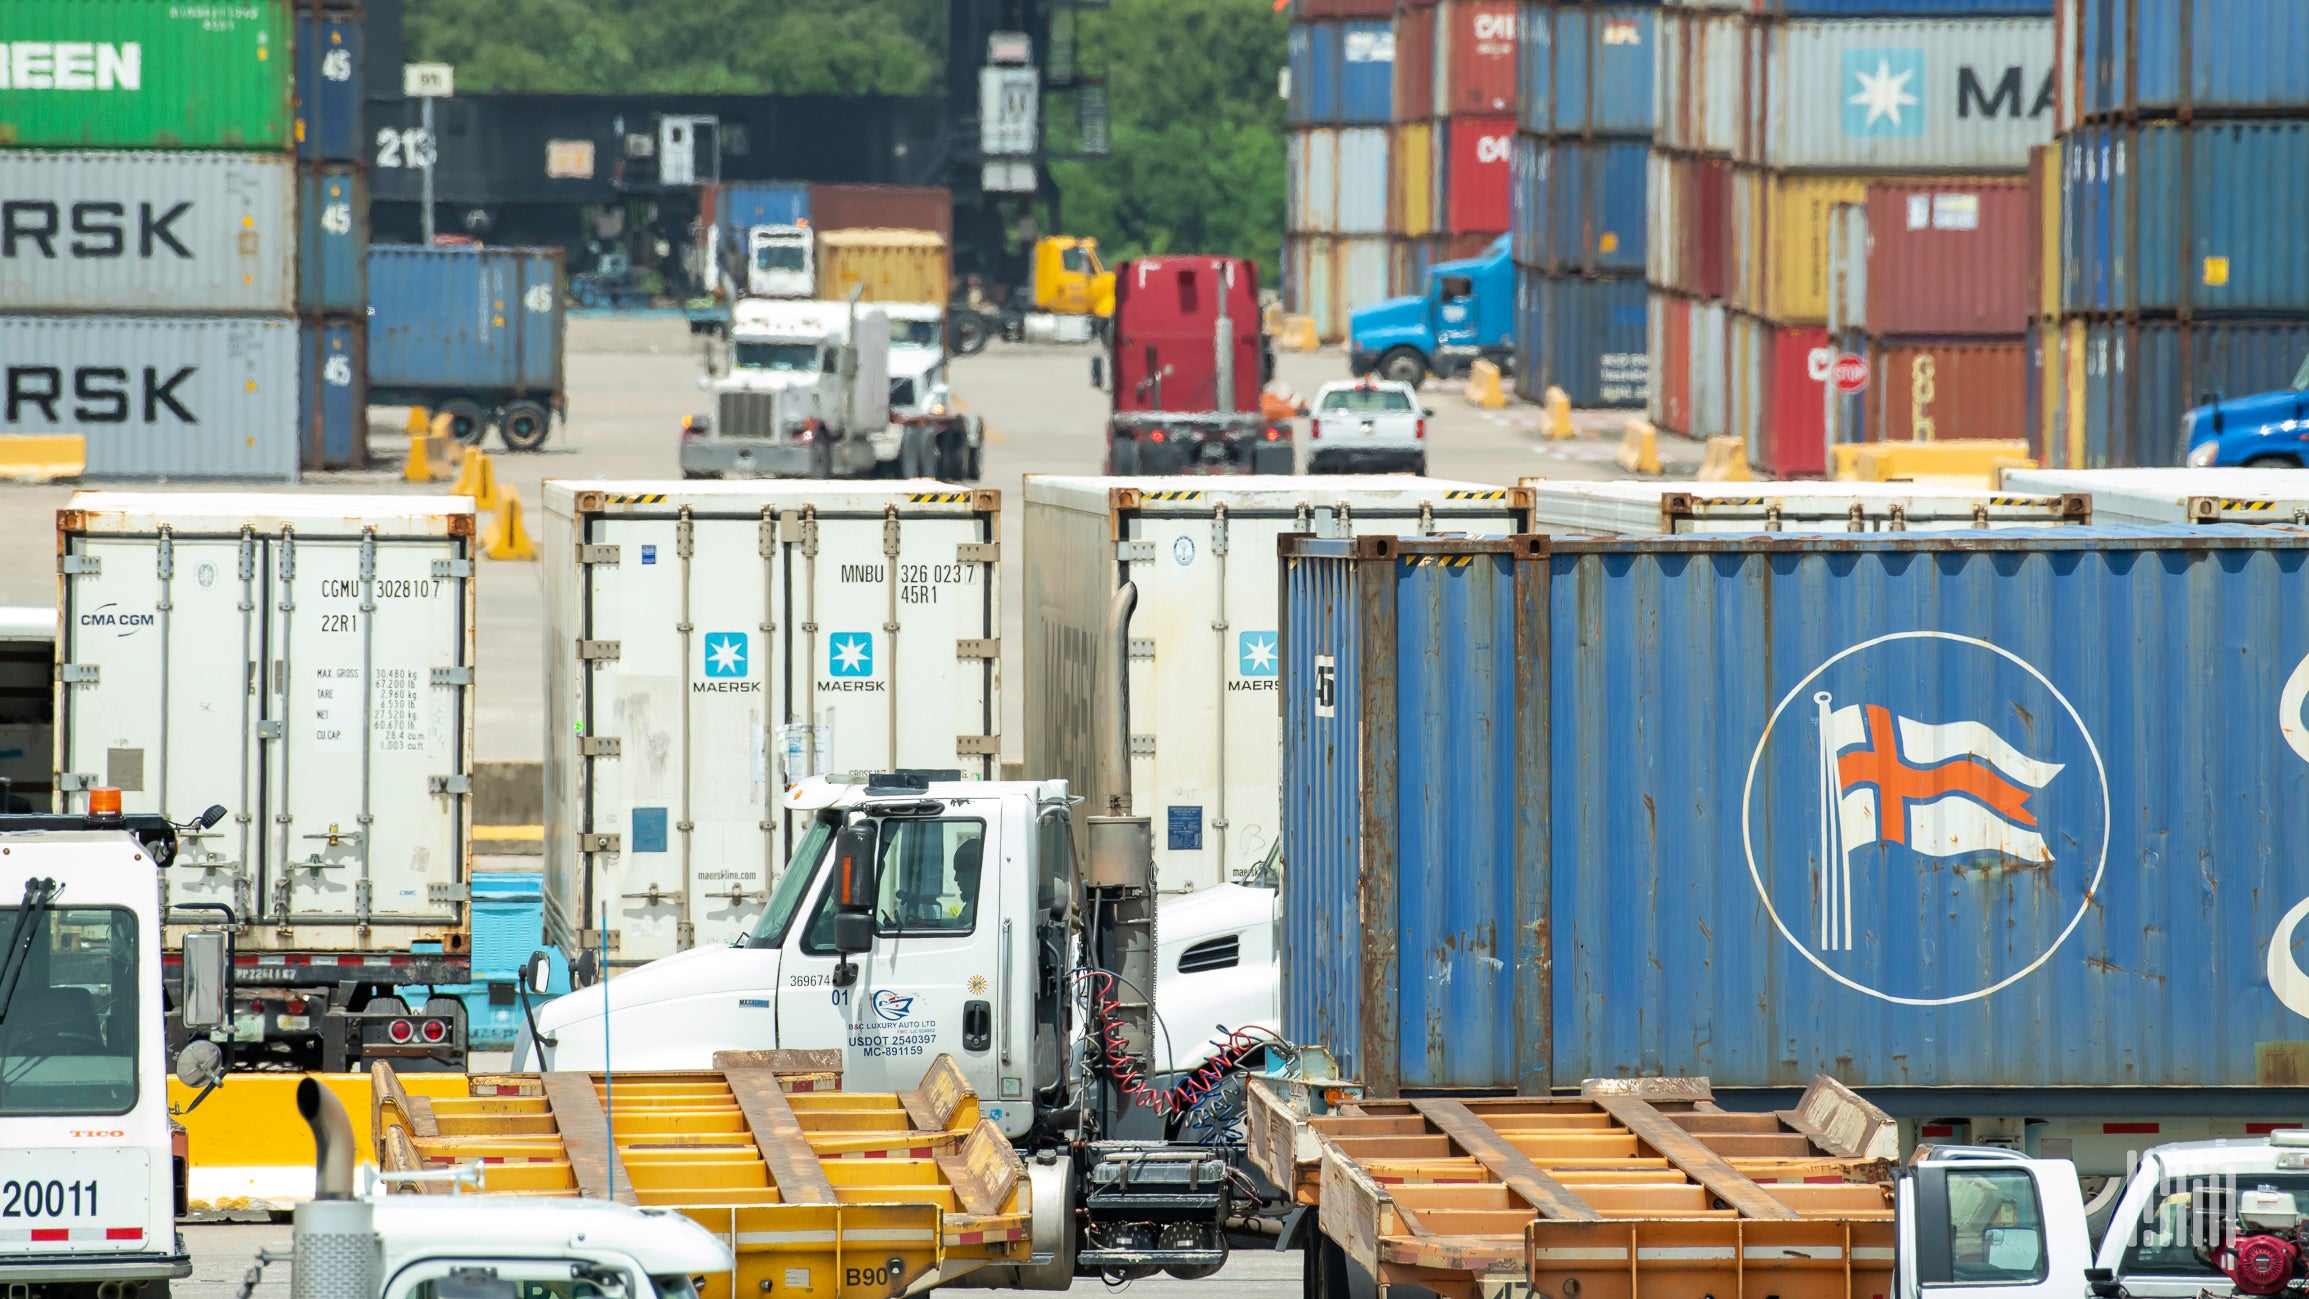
2204, 453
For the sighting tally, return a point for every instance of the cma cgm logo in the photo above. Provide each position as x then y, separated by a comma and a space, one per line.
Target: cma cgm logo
1495, 26
71, 65
1926, 818
1883, 93
1492, 148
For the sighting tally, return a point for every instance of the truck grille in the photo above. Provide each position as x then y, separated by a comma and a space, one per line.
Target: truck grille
747, 415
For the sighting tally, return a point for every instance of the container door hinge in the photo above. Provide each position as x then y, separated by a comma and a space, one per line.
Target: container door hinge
449, 784
1142, 647
600, 843
1134, 552
452, 676
439, 893
452, 568
978, 745
590, 939
978, 552
79, 565
1142, 746
600, 746
597, 554
77, 674
597, 649
978, 649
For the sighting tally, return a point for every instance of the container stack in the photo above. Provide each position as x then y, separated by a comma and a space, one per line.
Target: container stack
152, 282
1583, 134
1775, 128
1455, 95
332, 237
1339, 106
2181, 268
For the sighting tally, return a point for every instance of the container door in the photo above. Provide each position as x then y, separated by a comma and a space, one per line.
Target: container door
680, 719
366, 759
538, 342
161, 640
1185, 652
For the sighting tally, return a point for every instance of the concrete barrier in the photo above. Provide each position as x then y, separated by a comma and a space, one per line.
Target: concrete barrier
1883, 462
1559, 415
1725, 460
1484, 388
1298, 334
43, 457
1640, 448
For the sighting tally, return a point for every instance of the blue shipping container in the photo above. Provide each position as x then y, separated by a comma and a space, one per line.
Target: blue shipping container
333, 394
1593, 73
2161, 217
742, 205
2016, 815
332, 239
1904, 8
330, 87
1342, 73
1595, 207
1527, 200
1594, 339
484, 321
2240, 56
2141, 377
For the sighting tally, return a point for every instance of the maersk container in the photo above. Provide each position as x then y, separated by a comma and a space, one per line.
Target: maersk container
158, 396
1592, 339
147, 231
1572, 808
333, 247
1587, 71
304, 660
1203, 716
1636, 508
709, 644
2211, 56
484, 324
331, 83
2155, 496
1595, 196
132, 74
1891, 95
2157, 205
333, 394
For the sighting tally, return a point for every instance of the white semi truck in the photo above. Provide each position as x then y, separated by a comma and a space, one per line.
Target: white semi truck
806, 394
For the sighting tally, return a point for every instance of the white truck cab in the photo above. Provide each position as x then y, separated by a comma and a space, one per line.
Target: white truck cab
806, 394
504, 1247
781, 262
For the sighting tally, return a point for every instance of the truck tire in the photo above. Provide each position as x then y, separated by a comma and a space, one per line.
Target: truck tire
968, 332
914, 453
1403, 365
524, 424
468, 423
2272, 462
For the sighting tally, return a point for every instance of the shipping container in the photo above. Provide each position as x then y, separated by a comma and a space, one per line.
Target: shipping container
887, 265
333, 394
147, 232
1900, 8
132, 74
1328, 278
1475, 58
331, 85
1631, 508
481, 323
1970, 94
1691, 247
887, 207
304, 660
1670, 327
1414, 96
1947, 391
1342, 73
1701, 92
2159, 226
784, 630
1411, 197
1314, 158
333, 243
1711, 332
27, 706
1342, 8
1591, 340
1527, 200
1595, 199
1538, 829
2130, 383
2209, 57
1339, 180
1311, 53
2165, 496
1791, 253
1775, 394
1475, 156
1586, 71
739, 206
2044, 224
159, 396
1947, 257
1204, 714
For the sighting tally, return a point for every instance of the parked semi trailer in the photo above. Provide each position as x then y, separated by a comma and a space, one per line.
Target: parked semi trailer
1185, 360
472, 333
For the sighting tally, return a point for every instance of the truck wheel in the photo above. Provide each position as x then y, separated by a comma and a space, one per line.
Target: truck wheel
524, 424
468, 423
2272, 462
1403, 365
1122, 457
914, 453
969, 333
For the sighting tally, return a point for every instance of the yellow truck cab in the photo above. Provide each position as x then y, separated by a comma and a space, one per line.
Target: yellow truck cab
1069, 278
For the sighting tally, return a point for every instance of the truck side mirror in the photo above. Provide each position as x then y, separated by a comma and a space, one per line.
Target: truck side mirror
200, 1065
207, 964
853, 933
214, 814
1098, 372
854, 883
537, 974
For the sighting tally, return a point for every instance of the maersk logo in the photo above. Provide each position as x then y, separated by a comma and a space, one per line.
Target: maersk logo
1883, 92
71, 65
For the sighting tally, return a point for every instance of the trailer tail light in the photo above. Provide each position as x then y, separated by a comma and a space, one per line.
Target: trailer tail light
1157, 436
1419, 429
435, 1031
400, 1031
1274, 434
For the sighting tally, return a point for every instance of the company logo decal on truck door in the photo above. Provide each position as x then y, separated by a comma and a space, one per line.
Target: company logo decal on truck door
1926, 818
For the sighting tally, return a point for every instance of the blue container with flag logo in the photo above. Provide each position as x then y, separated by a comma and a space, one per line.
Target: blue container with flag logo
2006, 816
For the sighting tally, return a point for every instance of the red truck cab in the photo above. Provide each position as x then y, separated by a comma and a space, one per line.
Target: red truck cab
1186, 361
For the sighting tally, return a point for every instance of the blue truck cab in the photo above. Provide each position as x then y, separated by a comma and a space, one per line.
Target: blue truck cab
2267, 428
1467, 314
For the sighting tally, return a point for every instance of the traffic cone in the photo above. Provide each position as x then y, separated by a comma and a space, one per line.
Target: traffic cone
477, 478
505, 537
420, 467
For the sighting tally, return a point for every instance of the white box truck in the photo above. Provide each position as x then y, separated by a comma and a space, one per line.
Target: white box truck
1200, 553
709, 644
306, 661
1627, 507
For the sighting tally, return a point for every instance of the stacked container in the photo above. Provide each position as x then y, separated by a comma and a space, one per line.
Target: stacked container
1583, 134
168, 253
2178, 270
1340, 96
1455, 96
1791, 136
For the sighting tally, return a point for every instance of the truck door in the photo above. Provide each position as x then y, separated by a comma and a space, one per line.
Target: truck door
1456, 319
1992, 1228
929, 985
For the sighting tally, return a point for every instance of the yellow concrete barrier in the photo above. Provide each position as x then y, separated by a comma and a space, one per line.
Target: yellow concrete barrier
477, 478
42, 457
1640, 448
504, 537
1483, 386
247, 1148
1559, 415
1725, 461
1298, 334
1884, 462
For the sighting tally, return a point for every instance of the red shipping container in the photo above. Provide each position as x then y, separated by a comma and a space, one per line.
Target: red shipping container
1948, 257
1476, 184
1475, 57
1797, 407
1414, 64
1947, 391
1708, 227
879, 207
1674, 317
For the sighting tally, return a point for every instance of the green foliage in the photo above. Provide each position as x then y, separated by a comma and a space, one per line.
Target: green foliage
1196, 161
753, 47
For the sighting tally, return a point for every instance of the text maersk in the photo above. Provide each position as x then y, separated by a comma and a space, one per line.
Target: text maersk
99, 230
71, 65
100, 394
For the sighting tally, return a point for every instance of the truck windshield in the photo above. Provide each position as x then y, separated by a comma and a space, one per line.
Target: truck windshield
786, 898
1366, 399
2301, 376
780, 257
785, 358
913, 333
68, 1041
2162, 1242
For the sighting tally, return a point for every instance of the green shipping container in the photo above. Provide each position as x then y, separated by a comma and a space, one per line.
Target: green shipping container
145, 74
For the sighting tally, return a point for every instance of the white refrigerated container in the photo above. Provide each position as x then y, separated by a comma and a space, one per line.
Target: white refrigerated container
1631, 507
709, 643
2178, 495
304, 660
1205, 721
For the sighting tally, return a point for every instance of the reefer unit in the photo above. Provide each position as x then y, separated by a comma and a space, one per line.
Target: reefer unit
1887, 95
2168, 496
158, 396
147, 232
1203, 712
1992, 817
308, 663
331, 84
709, 644
131, 74
1635, 508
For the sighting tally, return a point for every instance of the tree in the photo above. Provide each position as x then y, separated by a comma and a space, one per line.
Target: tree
1195, 160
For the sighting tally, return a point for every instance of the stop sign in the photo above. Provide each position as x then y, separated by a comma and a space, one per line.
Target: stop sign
1849, 373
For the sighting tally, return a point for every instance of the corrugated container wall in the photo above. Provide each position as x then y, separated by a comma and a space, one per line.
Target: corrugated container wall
1889, 95
2156, 57
2127, 385
1591, 338
1415, 63
1700, 86
333, 394
1411, 184
1670, 331
1475, 58
148, 232
331, 84
1898, 8
1586, 71
1342, 73
2152, 219
1948, 391
739, 206
487, 318
2044, 204
1328, 278
1595, 215
1477, 156
1948, 257
333, 251
159, 396
132, 74
1498, 879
